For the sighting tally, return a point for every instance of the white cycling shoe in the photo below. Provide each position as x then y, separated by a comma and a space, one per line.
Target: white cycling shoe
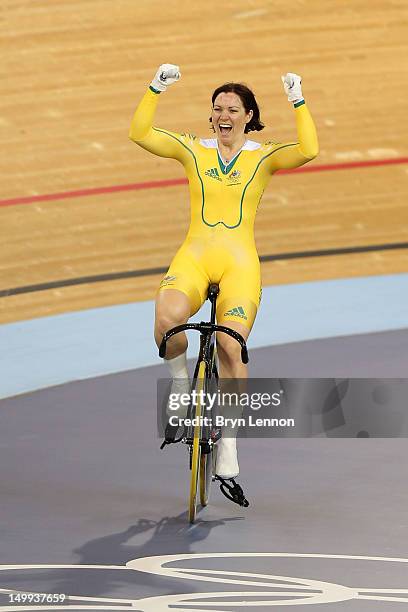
226, 465
175, 407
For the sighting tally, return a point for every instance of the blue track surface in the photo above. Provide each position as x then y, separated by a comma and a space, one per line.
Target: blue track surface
52, 350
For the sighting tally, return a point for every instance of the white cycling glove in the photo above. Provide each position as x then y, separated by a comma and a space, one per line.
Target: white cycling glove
166, 75
292, 84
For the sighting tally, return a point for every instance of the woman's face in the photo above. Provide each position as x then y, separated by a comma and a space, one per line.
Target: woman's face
229, 117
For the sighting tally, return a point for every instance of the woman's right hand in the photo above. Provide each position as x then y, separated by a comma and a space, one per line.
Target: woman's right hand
166, 75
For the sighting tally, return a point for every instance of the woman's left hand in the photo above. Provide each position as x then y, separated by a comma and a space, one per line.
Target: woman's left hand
292, 84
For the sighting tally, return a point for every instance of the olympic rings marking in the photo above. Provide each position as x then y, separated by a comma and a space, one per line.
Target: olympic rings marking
283, 590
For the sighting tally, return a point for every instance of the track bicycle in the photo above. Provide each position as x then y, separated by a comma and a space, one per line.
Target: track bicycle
201, 436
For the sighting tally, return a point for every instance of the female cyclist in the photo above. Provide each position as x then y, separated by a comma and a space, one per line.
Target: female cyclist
227, 175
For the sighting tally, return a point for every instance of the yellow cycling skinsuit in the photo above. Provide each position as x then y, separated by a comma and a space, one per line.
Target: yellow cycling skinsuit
220, 246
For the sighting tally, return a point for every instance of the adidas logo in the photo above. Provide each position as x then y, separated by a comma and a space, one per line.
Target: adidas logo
236, 312
213, 173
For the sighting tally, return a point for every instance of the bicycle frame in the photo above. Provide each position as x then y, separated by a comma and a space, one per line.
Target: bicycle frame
199, 437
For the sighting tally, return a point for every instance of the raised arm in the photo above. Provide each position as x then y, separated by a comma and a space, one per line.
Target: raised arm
158, 141
294, 154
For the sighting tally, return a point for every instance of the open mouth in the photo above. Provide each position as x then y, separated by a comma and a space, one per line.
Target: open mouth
225, 128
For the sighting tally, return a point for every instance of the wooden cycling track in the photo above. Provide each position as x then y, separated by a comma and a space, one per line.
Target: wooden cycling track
73, 72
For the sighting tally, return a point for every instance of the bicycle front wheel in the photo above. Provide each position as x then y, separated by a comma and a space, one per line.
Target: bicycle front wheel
196, 451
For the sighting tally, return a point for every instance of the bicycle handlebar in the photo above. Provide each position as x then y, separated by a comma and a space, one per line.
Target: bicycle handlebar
206, 328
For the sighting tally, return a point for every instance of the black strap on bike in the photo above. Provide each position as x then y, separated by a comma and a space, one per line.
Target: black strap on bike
232, 491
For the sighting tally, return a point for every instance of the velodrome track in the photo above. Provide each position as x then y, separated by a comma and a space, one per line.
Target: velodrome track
85, 489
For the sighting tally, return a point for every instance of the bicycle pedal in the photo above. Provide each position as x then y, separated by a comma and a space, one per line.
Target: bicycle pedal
232, 491
170, 434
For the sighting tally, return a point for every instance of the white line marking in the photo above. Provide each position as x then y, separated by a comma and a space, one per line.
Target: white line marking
5, 568
249, 14
382, 153
295, 591
349, 155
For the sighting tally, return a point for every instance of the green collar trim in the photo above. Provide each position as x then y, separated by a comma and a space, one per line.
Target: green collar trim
226, 169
